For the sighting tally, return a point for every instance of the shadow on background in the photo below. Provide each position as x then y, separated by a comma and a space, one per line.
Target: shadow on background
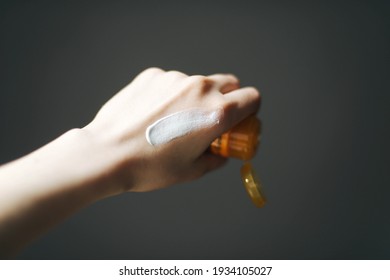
323, 72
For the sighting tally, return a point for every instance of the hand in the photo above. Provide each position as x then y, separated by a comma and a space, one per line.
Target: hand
153, 94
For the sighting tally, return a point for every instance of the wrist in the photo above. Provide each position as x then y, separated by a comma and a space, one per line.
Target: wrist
94, 162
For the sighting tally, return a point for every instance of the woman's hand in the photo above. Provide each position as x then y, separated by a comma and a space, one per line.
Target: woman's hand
154, 94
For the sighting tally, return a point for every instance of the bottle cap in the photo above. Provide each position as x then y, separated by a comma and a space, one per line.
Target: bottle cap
241, 141
252, 185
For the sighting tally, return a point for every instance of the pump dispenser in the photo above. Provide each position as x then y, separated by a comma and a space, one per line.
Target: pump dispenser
242, 142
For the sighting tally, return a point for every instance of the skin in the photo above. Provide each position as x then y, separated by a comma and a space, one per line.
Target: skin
109, 156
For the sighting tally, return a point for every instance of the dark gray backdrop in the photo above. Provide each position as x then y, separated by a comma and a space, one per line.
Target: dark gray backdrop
322, 68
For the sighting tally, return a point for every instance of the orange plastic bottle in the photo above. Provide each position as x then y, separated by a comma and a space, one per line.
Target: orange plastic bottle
242, 142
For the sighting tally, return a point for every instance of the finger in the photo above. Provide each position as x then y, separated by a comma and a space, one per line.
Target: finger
241, 103
146, 76
208, 162
225, 82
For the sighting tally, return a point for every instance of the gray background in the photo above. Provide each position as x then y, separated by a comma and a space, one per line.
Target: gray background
322, 68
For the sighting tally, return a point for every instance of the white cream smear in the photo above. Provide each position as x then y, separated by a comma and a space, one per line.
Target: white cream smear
179, 124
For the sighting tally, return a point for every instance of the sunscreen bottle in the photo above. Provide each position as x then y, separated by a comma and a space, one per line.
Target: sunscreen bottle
242, 142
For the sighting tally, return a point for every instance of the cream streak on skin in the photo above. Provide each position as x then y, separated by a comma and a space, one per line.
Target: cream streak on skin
179, 124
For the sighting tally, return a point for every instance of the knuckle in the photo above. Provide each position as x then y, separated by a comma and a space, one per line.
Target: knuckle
232, 78
202, 83
152, 71
175, 74
196, 79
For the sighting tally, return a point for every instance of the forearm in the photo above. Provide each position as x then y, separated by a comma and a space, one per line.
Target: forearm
44, 187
